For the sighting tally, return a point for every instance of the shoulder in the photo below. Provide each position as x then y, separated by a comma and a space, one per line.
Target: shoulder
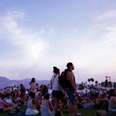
69, 73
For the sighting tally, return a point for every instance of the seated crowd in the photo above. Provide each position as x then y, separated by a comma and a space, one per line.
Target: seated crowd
42, 101
53, 100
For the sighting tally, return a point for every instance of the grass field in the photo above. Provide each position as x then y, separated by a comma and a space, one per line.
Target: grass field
22, 113
88, 112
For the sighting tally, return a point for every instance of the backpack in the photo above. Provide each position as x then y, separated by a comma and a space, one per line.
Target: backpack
64, 83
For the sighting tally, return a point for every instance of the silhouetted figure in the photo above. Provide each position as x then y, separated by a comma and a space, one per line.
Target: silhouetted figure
71, 90
32, 88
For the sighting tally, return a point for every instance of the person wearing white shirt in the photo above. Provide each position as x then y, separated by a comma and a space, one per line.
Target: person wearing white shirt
57, 93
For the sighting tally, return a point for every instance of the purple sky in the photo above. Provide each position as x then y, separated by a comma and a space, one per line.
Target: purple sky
38, 34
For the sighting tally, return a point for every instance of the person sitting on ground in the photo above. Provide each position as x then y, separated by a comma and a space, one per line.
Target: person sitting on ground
112, 104
1, 103
31, 107
47, 108
9, 105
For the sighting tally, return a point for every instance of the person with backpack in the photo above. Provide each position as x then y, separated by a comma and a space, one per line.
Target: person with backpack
68, 83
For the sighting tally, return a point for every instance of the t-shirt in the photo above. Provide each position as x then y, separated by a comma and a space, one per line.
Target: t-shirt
55, 82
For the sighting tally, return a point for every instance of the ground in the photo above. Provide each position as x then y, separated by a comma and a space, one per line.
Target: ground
22, 113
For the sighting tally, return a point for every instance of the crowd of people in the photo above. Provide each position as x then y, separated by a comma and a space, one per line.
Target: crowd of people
62, 95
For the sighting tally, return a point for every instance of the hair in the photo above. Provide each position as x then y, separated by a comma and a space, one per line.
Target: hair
69, 64
43, 89
32, 80
56, 70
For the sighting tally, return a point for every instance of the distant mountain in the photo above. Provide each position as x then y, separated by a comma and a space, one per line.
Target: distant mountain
4, 82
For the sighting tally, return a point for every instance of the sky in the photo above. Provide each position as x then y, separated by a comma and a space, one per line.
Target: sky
36, 35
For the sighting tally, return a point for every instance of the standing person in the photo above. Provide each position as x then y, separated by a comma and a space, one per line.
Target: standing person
57, 94
71, 89
54, 83
33, 88
22, 90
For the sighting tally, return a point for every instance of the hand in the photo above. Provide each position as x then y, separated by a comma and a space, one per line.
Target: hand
75, 91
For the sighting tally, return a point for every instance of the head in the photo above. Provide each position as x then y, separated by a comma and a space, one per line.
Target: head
56, 70
21, 85
37, 84
70, 66
33, 80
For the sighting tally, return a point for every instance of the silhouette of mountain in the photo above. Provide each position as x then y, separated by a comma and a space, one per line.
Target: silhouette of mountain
4, 82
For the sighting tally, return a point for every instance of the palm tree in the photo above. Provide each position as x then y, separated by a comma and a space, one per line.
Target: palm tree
89, 80
96, 82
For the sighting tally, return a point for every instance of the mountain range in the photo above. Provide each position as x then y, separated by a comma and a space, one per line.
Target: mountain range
4, 82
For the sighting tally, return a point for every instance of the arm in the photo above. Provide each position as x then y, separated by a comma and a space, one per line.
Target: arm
51, 84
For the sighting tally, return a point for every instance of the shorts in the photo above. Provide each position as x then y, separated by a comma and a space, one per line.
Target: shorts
57, 94
71, 95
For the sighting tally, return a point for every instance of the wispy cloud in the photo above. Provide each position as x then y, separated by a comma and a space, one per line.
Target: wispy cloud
98, 51
29, 46
107, 15
91, 50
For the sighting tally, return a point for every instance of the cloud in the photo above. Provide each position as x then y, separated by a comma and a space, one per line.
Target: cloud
98, 51
29, 46
92, 51
107, 15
